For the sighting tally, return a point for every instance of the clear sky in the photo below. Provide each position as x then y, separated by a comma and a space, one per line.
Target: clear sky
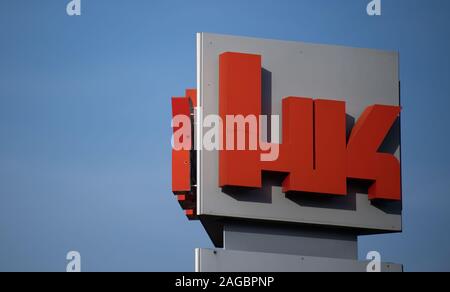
85, 123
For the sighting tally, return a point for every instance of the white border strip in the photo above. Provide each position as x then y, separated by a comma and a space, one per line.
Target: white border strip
199, 120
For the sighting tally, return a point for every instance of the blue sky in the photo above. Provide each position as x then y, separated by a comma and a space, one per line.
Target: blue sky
85, 123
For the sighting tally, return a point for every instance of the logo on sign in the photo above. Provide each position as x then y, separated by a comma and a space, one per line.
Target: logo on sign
315, 156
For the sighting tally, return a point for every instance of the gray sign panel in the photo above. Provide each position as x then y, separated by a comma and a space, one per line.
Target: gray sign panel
361, 77
219, 260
